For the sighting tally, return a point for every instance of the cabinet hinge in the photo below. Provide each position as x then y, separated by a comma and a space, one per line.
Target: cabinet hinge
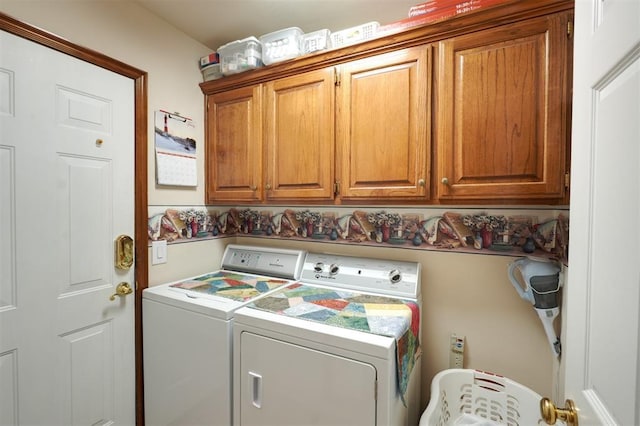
570, 29
567, 179
336, 76
336, 188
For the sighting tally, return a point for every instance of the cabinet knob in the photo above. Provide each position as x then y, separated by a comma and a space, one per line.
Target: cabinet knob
268, 186
253, 187
445, 181
421, 182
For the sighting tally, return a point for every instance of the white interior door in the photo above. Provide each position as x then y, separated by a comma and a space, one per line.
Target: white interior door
66, 192
602, 295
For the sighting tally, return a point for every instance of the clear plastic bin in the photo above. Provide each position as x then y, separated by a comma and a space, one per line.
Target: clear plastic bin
316, 41
472, 397
354, 34
240, 55
281, 45
211, 72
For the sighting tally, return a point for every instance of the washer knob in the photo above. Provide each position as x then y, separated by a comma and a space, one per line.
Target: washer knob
395, 276
334, 269
318, 267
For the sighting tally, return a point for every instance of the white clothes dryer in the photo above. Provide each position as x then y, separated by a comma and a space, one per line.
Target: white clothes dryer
339, 347
188, 339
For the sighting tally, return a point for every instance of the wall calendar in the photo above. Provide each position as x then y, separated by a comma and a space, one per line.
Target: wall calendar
175, 150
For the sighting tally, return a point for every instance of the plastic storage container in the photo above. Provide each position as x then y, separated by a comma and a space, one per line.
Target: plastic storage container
354, 34
240, 55
472, 397
211, 72
316, 41
281, 45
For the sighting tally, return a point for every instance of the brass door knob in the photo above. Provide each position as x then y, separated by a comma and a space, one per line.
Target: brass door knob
121, 290
550, 414
421, 182
267, 186
445, 181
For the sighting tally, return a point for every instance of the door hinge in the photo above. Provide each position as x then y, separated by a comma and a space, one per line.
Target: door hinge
336, 76
567, 179
570, 29
336, 188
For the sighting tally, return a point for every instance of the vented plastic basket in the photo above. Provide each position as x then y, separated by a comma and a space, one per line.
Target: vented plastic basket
354, 34
472, 397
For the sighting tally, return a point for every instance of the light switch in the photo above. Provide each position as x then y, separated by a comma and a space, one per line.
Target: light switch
158, 252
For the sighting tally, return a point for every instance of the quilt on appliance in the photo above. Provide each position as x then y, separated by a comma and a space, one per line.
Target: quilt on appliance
381, 315
230, 285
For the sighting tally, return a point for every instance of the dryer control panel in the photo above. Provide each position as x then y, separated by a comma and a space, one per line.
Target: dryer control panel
381, 276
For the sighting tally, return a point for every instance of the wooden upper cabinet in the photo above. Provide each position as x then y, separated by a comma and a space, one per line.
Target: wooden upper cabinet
234, 146
483, 98
299, 136
502, 112
383, 126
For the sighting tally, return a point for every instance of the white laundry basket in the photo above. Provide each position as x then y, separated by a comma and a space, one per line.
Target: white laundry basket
472, 397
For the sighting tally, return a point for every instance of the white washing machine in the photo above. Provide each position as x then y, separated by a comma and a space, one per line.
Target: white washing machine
187, 334
339, 347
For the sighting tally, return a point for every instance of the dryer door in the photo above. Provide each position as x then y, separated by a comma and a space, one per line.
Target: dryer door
287, 384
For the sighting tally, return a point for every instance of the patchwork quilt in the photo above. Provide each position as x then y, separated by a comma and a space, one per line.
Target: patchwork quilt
380, 315
231, 285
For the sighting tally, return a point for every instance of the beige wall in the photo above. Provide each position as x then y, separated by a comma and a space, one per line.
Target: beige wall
127, 32
468, 294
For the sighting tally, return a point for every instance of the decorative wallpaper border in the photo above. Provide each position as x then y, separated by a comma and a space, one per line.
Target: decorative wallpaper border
447, 230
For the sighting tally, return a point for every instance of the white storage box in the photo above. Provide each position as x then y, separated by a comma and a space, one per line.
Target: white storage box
240, 55
211, 72
316, 41
471, 397
281, 45
354, 34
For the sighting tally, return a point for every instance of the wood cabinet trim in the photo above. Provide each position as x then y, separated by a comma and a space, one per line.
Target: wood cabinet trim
511, 11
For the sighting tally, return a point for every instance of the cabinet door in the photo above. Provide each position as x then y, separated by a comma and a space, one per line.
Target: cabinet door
299, 136
502, 105
383, 123
234, 146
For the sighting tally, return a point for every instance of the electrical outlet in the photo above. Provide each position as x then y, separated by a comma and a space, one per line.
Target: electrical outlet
456, 353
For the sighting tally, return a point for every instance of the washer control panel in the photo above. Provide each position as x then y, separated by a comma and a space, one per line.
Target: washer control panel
383, 276
283, 263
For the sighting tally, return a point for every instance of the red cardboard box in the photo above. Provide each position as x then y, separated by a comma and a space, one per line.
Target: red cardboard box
443, 9
211, 58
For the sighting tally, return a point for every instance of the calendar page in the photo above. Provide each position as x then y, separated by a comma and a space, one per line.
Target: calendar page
175, 150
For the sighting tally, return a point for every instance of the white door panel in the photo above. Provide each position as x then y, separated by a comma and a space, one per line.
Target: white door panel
8, 289
8, 388
84, 196
602, 295
66, 193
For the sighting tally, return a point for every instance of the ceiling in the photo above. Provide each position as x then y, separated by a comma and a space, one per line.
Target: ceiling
216, 22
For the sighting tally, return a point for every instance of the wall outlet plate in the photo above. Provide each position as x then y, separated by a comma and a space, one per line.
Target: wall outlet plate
158, 252
456, 351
